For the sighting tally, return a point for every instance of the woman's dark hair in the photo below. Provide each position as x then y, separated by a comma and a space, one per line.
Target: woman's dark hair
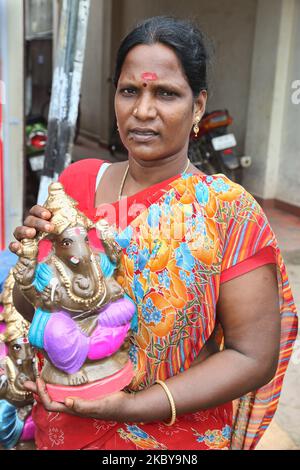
183, 36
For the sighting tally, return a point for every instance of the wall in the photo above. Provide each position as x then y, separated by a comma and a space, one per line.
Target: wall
231, 28
12, 53
261, 98
288, 183
96, 87
273, 137
227, 22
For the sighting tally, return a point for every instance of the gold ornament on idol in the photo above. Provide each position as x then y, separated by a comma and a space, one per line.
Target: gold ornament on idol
196, 126
126, 173
16, 325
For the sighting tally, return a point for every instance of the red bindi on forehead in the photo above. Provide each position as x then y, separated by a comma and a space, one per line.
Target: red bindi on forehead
149, 76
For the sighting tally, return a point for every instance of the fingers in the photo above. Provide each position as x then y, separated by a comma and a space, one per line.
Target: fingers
24, 232
36, 221
14, 247
81, 407
47, 402
43, 394
110, 407
72, 405
33, 224
40, 212
30, 386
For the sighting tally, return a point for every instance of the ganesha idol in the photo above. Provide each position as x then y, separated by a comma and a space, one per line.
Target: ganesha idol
82, 316
17, 364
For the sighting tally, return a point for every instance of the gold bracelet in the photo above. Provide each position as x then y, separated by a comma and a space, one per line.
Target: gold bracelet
171, 401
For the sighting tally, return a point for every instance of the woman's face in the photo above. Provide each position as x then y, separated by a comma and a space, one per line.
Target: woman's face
154, 104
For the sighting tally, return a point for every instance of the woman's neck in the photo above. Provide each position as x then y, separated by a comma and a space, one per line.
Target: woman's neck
142, 174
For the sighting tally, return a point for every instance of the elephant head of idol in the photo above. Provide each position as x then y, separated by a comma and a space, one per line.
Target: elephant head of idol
70, 278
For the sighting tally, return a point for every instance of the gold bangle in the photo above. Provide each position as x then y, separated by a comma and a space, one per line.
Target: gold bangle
171, 401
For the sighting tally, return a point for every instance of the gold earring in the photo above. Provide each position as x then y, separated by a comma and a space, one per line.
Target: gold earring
196, 126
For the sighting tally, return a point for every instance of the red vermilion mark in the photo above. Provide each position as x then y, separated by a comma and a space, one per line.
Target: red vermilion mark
77, 231
149, 76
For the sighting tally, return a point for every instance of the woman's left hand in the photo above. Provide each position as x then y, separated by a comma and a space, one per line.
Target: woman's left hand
114, 407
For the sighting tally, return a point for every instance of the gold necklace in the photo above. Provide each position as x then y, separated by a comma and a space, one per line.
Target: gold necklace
126, 173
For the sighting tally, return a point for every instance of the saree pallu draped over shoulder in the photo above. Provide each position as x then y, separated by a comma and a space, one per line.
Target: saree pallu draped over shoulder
181, 239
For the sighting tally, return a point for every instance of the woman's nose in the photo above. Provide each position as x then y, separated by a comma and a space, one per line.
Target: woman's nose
145, 108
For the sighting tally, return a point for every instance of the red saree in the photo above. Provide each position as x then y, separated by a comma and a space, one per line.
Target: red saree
181, 239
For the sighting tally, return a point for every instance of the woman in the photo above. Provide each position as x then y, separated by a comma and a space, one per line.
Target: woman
216, 318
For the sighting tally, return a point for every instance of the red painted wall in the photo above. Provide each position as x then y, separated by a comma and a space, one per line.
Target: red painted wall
2, 202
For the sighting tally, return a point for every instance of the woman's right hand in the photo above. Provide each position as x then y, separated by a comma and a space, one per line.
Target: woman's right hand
36, 221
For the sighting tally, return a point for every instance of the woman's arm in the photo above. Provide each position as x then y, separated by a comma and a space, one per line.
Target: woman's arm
248, 309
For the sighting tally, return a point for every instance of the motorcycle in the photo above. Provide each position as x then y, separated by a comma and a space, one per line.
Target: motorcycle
214, 149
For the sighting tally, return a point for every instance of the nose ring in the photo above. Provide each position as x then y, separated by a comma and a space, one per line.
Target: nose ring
135, 111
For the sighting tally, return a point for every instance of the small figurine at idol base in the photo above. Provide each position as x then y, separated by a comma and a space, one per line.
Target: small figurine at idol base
17, 364
82, 316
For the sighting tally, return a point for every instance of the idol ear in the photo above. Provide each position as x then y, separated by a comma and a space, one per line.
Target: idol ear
106, 234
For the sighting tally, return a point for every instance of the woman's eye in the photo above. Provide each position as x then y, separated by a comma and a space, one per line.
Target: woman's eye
128, 91
167, 93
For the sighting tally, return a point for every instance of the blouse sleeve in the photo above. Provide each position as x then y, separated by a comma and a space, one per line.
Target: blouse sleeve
264, 256
78, 178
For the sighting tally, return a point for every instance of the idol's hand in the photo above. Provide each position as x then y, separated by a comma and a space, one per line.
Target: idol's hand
36, 221
114, 407
24, 271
